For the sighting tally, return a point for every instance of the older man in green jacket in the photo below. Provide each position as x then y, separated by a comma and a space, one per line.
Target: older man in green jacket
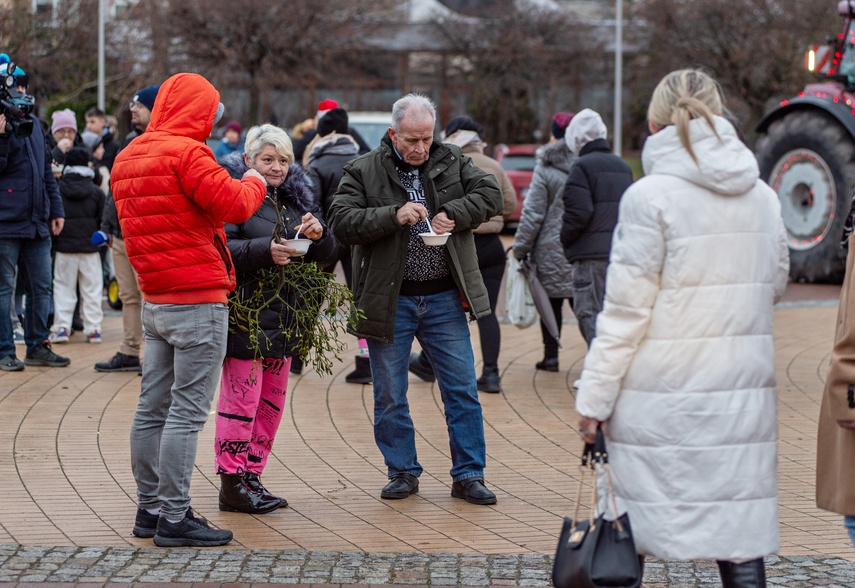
408, 289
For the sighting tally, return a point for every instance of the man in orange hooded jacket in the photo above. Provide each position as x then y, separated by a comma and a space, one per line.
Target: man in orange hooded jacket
173, 200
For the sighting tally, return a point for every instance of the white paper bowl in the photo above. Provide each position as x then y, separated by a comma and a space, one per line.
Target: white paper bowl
301, 245
434, 240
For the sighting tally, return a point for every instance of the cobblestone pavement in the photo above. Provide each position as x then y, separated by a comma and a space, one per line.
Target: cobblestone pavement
117, 565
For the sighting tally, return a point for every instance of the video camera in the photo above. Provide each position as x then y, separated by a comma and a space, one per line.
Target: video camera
16, 105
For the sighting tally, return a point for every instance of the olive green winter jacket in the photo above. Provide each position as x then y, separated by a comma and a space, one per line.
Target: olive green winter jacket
363, 215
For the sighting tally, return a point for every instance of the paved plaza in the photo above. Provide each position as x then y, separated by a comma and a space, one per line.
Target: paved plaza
68, 502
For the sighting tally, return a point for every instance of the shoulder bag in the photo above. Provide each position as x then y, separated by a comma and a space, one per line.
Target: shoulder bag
596, 553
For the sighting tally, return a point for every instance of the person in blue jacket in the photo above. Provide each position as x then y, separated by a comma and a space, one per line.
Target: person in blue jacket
30, 212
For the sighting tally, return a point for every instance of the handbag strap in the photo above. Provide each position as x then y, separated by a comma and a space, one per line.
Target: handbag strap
594, 454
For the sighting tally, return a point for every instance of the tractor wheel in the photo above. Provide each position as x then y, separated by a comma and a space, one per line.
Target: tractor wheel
113, 294
808, 158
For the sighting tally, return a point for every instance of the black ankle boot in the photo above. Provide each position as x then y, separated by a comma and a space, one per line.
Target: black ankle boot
254, 482
237, 496
549, 364
749, 574
296, 366
362, 373
490, 380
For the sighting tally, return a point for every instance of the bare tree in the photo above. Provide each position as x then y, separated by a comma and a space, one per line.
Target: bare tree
260, 45
57, 51
513, 61
755, 48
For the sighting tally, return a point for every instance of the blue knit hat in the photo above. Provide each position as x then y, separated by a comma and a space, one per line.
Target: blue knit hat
147, 95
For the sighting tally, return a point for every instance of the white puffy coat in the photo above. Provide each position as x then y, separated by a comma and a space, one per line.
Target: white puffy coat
683, 363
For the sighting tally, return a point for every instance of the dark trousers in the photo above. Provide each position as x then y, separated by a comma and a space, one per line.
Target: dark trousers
589, 291
550, 343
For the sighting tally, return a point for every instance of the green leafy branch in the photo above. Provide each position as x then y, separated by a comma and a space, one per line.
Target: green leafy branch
318, 308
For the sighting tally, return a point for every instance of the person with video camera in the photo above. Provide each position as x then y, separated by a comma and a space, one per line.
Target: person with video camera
30, 212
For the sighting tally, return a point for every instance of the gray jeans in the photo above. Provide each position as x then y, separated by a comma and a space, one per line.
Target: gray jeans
589, 291
184, 350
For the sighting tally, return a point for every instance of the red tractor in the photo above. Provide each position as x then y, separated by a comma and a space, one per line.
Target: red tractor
806, 152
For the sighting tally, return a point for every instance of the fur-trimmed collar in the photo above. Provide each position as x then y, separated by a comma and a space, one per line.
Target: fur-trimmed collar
557, 155
297, 184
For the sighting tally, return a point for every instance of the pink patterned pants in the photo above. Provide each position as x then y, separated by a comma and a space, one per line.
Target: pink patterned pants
248, 413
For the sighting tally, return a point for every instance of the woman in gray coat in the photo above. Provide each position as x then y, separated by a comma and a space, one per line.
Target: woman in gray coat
539, 232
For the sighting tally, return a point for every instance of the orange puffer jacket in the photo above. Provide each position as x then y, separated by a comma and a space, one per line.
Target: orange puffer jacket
173, 198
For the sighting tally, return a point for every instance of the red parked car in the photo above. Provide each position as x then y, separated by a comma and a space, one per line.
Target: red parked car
518, 162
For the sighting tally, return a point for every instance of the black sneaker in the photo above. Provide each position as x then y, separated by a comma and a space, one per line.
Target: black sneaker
10, 363
45, 356
145, 524
120, 363
189, 532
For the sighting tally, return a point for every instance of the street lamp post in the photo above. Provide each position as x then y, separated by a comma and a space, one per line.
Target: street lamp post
101, 18
616, 147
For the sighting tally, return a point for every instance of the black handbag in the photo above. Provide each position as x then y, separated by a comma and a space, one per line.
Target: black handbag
596, 553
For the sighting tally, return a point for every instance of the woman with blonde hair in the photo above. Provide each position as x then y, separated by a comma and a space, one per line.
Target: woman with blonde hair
252, 389
682, 369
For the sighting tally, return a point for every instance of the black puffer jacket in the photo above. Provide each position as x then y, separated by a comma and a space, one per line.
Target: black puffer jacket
249, 244
83, 202
591, 200
326, 167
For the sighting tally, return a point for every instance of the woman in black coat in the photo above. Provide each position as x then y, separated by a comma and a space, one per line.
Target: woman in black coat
255, 371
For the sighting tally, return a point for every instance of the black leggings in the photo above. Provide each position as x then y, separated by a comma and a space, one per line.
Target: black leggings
488, 326
491, 262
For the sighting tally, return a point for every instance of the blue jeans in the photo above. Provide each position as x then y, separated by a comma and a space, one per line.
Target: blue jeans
849, 523
439, 323
185, 345
32, 258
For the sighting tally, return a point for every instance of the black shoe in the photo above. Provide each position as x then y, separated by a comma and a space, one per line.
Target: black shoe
420, 366
10, 363
296, 366
254, 482
400, 486
120, 363
473, 490
77, 324
237, 496
45, 356
189, 532
362, 373
748, 574
490, 380
145, 524
549, 364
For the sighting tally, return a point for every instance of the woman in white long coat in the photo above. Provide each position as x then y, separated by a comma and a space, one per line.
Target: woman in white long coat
683, 366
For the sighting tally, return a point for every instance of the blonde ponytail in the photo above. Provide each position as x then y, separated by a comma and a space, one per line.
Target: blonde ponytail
683, 96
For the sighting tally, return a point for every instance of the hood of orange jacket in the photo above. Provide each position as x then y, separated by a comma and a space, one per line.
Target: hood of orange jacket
186, 105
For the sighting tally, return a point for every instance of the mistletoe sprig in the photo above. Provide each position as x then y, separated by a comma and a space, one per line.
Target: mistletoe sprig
318, 308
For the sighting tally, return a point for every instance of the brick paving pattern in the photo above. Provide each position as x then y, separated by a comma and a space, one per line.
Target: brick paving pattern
68, 501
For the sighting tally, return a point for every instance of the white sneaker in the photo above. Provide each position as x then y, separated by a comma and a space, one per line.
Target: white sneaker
576, 384
94, 337
19, 336
60, 336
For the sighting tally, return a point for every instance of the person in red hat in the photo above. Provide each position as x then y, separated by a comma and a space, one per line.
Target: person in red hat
324, 106
232, 140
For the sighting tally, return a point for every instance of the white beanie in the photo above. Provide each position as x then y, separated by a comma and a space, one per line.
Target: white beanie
585, 127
